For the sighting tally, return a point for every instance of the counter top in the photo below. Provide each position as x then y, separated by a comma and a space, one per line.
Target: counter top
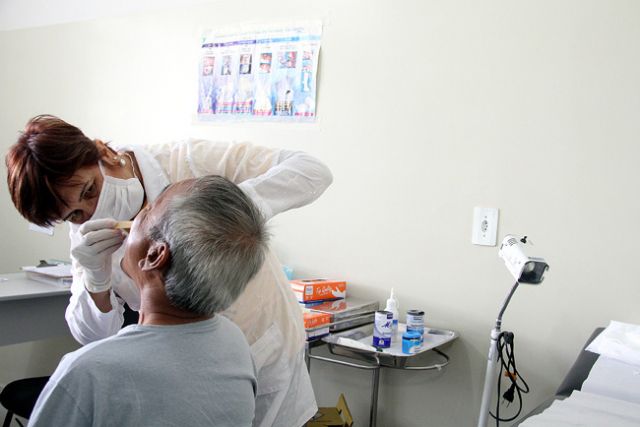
15, 286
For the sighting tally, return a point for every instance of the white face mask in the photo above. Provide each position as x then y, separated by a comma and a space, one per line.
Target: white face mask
120, 199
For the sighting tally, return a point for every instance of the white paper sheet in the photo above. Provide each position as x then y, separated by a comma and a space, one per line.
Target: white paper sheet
587, 410
612, 378
58, 271
620, 341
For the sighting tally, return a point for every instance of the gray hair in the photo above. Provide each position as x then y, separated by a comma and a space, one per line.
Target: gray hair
217, 240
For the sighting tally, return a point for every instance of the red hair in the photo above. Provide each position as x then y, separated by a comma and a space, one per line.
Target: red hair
47, 154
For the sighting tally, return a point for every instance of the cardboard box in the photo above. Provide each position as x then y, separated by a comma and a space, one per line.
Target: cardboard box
313, 319
340, 416
318, 289
314, 334
347, 313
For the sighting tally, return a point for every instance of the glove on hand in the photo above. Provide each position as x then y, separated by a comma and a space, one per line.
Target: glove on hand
98, 242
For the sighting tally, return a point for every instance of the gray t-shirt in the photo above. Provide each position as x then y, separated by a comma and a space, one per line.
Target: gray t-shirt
196, 374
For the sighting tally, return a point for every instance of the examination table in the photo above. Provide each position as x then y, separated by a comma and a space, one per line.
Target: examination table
574, 378
597, 391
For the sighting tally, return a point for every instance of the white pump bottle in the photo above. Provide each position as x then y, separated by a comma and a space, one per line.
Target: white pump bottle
392, 306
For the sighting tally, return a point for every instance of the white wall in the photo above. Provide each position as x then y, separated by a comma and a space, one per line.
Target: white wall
426, 109
19, 14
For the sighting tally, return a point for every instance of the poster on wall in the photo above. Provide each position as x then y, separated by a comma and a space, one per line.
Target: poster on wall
259, 73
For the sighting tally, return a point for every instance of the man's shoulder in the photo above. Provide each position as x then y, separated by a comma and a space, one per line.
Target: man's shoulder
86, 367
220, 329
229, 329
123, 349
94, 352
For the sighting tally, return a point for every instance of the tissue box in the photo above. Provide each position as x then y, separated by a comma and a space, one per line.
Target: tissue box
316, 325
347, 313
317, 333
338, 416
314, 319
318, 289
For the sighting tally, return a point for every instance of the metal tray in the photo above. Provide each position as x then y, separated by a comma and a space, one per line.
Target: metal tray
392, 357
351, 322
346, 308
347, 323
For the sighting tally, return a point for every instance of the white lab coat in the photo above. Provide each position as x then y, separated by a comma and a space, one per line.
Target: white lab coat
267, 311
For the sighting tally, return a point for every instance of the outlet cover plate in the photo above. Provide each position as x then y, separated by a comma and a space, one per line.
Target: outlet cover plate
485, 226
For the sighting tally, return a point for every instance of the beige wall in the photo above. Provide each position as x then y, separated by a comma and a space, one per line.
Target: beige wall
426, 109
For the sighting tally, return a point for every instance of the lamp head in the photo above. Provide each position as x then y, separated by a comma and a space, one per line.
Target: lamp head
525, 269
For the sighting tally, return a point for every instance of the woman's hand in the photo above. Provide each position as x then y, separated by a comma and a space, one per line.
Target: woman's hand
99, 241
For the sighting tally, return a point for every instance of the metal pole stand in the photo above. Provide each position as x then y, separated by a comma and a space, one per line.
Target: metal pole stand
492, 361
489, 377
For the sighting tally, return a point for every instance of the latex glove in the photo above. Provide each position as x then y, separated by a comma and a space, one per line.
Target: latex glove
99, 240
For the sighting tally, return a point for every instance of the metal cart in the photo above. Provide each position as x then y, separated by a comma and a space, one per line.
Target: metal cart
353, 344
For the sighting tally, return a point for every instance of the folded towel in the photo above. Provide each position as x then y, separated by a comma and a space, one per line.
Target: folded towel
620, 341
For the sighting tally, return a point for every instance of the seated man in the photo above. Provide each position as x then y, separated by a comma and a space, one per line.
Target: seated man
191, 254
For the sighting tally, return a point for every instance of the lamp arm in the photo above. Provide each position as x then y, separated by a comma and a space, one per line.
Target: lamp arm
506, 303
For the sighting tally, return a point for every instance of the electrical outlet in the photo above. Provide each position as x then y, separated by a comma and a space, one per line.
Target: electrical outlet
485, 226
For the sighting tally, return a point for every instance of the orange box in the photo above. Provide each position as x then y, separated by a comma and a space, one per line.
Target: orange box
314, 319
318, 289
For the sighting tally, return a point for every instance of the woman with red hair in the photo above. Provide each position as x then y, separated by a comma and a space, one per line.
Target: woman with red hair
56, 173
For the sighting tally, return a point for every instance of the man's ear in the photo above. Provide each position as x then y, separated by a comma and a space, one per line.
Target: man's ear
157, 257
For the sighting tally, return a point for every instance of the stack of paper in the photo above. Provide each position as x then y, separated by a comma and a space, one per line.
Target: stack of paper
59, 275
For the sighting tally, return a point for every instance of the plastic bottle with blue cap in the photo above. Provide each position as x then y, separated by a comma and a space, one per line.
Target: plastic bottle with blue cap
392, 306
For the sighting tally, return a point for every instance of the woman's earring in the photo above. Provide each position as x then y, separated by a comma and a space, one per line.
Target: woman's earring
120, 160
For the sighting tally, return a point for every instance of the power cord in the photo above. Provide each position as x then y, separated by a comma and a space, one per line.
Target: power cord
507, 358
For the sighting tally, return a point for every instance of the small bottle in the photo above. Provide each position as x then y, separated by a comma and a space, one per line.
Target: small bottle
411, 342
392, 306
415, 321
